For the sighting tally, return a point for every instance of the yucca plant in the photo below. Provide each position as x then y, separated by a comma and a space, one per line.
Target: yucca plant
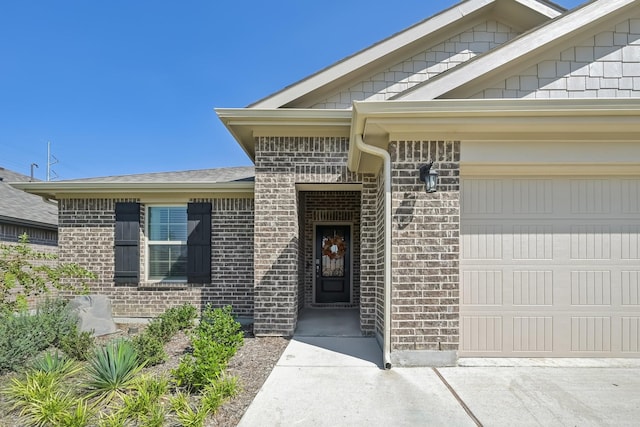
112, 369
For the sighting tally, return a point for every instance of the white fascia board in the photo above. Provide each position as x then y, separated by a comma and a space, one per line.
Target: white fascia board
503, 118
52, 190
247, 123
375, 52
525, 45
543, 8
496, 107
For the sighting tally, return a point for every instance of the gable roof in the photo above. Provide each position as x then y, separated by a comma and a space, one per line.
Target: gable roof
186, 184
18, 207
521, 14
520, 53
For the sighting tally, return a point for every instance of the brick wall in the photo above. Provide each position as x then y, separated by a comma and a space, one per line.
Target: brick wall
606, 65
425, 293
87, 237
281, 163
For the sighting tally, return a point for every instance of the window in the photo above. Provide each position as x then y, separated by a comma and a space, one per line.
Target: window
167, 243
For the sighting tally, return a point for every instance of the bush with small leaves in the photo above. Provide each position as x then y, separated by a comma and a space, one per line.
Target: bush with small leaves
182, 316
150, 349
215, 340
220, 325
24, 335
76, 344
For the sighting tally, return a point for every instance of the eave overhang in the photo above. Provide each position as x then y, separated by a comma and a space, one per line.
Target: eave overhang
165, 190
491, 120
28, 223
246, 124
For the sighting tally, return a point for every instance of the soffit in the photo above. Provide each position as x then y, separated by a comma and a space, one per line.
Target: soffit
246, 124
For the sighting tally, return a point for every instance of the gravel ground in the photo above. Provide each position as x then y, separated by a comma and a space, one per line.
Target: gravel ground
252, 364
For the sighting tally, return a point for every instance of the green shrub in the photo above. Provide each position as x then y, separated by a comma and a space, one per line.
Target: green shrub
76, 344
22, 335
215, 340
112, 369
161, 329
183, 316
222, 327
19, 340
150, 349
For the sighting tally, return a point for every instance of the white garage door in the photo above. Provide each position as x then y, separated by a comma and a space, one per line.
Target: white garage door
550, 267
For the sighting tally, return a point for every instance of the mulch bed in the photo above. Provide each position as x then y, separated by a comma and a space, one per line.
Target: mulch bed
252, 364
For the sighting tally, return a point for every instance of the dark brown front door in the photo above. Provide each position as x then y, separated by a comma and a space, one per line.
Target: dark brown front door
333, 263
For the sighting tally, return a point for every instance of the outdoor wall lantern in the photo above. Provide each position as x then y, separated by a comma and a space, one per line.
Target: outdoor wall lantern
429, 177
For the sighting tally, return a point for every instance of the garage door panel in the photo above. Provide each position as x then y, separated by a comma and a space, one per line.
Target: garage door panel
630, 334
554, 270
590, 334
532, 288
630, 284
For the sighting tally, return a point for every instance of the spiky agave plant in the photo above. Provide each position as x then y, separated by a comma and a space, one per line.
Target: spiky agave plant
112, 369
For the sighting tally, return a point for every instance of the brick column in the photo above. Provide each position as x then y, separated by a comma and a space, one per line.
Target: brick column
426, 246
275, 241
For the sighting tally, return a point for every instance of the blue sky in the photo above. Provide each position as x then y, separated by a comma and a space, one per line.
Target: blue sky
122, 87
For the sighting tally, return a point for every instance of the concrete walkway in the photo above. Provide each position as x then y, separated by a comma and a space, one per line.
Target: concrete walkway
338, 381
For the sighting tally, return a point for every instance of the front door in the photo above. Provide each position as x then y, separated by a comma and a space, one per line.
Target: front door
333, 263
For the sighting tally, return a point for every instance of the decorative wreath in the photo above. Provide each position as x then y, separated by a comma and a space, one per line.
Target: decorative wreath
334, 247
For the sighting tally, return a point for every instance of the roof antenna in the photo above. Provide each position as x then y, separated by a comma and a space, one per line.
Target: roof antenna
32, 166
51, 160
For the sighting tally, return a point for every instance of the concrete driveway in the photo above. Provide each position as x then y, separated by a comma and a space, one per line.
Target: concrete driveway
338, 381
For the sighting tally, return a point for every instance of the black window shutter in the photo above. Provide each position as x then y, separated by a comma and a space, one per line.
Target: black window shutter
199, 243
127, 243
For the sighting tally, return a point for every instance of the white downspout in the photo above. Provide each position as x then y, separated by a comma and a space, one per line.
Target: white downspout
386, 168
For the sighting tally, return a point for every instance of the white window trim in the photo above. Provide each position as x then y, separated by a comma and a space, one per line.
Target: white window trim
149, 242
